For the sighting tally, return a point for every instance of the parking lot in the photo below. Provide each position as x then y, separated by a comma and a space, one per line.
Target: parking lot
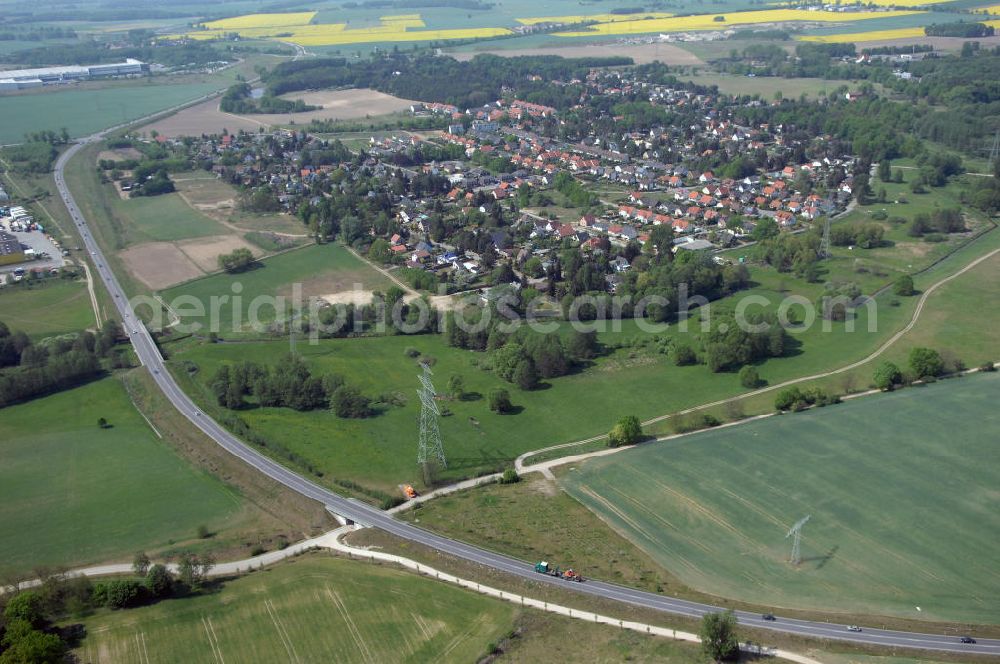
40, 243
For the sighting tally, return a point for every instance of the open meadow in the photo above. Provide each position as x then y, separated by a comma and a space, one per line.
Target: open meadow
319, 270
633, 377
903, 507
47, 308
75, 493
311, 609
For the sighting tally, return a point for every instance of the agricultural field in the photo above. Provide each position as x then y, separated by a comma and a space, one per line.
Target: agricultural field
78, 494
298, 28
320, 270
367, 27
902, 507
85, 108
871, 36
310, 609
709, 22
768, 86
669, 54
84, 112
47, 308
206, 118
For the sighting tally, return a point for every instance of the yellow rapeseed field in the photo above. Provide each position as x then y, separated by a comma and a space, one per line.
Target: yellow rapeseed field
313, 35
260, 21
580, 18
297, 28
708, 22
874, 35
993, 9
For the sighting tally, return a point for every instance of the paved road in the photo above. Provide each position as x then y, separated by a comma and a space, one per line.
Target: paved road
367, 515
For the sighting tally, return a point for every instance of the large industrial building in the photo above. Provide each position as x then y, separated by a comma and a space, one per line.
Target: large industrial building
10, 249
22, 79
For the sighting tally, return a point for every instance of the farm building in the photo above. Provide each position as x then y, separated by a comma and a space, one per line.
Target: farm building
21, 79
10, 249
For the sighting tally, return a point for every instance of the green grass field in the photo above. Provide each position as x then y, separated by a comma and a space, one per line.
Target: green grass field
534, 520
903, 507
164, 218
47, 308
631, 380
78, 494
767, 87
203, 188
83, 112
312, 609
319, 269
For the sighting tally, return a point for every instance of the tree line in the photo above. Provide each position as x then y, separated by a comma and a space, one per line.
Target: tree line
239, 99
425, 77
29, 632
288, 384
29, 370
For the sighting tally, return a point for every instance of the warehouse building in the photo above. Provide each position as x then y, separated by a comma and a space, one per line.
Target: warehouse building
22, 79
10, 249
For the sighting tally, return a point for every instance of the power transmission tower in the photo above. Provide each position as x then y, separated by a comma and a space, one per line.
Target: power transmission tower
824, 244
429, 448
796, 534
995, 151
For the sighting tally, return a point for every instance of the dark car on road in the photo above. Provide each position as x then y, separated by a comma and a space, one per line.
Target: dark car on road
768, 616
967, 639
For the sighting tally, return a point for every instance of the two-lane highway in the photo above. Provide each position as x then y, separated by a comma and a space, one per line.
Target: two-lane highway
150, 357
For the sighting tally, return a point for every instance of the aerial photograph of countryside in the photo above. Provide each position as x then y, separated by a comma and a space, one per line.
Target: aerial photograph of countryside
499, 332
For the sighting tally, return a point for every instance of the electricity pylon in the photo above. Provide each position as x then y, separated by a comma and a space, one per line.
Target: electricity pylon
429, 447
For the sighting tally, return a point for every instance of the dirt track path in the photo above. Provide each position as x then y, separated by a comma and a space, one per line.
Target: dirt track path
389, 275
519, 462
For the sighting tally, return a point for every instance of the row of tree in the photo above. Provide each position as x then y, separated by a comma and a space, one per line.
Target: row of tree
288, 384
28, 633
28, 370
239, 99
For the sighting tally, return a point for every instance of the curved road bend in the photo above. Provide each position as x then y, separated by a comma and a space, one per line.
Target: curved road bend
367, 515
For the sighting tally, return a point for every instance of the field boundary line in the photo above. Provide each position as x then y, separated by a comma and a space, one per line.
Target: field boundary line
386, 273
335, 542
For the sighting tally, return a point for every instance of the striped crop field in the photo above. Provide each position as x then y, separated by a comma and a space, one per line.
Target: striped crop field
601, 18
904, 508
313, 609
709, 22
874, 35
